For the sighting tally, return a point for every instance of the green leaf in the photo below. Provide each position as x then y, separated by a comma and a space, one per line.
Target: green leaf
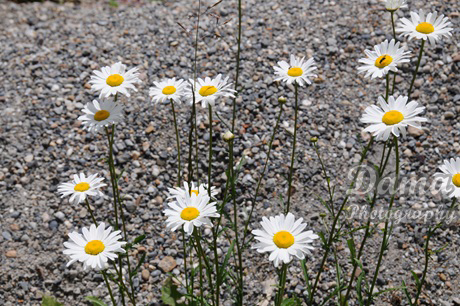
226, 259
323, 239
291, 302
358, 289
417, 280
169, 293
50, 301
139, 239
406, 292
141, 261
95, 301
303, 263
351, 246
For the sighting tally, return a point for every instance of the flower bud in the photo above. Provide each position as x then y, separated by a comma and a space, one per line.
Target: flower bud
314, 139
228, 136
282, 100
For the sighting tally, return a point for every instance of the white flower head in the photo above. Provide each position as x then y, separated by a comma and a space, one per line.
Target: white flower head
384, 58
169, 89
114, 79
81, 187
429, 27
392, 117
298, 70
207, 91
190, 212
283, 237
100, 114
186, 192
94, 247
394, 5
450, 177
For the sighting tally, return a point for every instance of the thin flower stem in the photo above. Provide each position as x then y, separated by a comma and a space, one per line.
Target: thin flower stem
387, 92
90, 211
184, 246
254, 199
122, 285
282, 284
335, 221
210, 150
291, 172
394, 36
190, 143
329, 189
416, 68
110, 141
235, 224
179, 176
386, 233
238, 59
109, 288
208, 267
200, 267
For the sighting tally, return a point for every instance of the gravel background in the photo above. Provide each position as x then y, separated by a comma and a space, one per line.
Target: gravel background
47, 54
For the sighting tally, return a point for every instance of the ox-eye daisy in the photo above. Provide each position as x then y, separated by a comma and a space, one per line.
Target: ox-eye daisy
94, 247
429, 27
208, 90
166, 90
283, 237
384, 58
100, 114
394, 5
298, 70
186, 192
190, 212
392, 117
450, 177
80, 187
114, 79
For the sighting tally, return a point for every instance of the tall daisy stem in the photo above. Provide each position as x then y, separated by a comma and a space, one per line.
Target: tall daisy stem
108, 287
178, 144
387, 92
416, 68
291, 171
210, 150
238, 59
282, 285
394, 36
184, 246
256, 193
90, 211
208, 267
334, 223
386, 233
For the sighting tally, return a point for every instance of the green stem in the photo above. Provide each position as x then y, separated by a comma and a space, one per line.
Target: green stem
416, 68
291, 172
386, 233
394, 36
387, 92
90, 211
328, 181
210, 150
179, 176
206, 263
184, 247
334, 223
109, 288
254, 199
238, 58
110, 141
282, 284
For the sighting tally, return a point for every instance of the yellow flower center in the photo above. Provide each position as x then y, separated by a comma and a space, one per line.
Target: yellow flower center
425, 28
383, 61
456, 180
94, 247
80, 187
101, 115
283, 239
392, 117
189, 213
169, 90
208, 90
295, 71
194, 191
114, 80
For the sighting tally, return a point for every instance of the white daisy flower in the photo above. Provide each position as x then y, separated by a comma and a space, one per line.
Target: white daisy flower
114, 79
208, 90
298, 71
385, 57
81, 187
186, 192
429, 27
392, 117
191, 212
94, 247
394, 5
450, 177
100, 114
283, 237
168, 89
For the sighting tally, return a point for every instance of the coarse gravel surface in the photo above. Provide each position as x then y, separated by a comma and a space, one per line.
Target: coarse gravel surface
47, 54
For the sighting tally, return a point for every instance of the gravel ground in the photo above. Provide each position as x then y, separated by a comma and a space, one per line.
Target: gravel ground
47, 54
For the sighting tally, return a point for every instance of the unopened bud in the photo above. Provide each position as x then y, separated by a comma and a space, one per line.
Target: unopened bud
228, 136
322, 215
282, 100
314, 139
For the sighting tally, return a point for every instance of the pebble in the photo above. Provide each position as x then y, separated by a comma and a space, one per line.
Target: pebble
145, 275
11, 254
167, 264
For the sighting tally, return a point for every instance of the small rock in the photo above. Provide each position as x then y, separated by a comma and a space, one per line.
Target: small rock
145, 274
449, 115
415, 132
11, 254
29, 158
149, 129
167, 264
